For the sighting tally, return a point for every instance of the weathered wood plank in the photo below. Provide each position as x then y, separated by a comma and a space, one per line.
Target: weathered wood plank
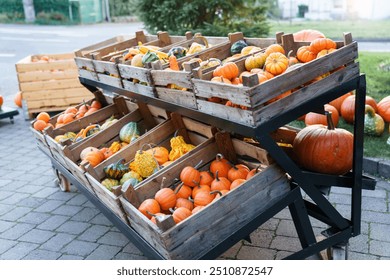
180, 97
47, 75
50, 84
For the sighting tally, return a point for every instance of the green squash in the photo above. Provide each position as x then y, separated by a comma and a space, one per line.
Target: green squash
132, 181
108, 183
149, 57
129, 132
373, 123
116, 170
238, 46
130, 175
178, 52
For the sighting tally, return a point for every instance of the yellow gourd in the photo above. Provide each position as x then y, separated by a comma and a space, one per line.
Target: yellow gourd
179, 147
144, 163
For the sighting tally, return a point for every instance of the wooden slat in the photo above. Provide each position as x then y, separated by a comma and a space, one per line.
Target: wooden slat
138, 88
110, 80
180, 97
312, 91
132, 72
52, 95
57, 102
50, 84
47, 75
46, 66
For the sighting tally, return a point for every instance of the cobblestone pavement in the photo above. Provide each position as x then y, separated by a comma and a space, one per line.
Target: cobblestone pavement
39, 221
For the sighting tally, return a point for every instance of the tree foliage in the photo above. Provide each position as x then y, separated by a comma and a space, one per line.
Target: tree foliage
210, 17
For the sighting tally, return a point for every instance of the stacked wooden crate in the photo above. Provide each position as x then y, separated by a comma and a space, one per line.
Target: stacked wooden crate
49, 82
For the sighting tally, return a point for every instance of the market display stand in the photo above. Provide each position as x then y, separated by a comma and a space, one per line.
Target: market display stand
7, 112
313, 184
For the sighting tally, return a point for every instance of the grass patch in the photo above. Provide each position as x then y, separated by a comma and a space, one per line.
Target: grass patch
360, 29
373, 64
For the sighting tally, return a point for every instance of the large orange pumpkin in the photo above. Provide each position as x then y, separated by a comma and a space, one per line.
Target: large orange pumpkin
338, 101
308, 35
324, 149
384, 108
316, 118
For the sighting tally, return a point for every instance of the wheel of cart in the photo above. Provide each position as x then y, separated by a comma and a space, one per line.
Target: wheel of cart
61, 181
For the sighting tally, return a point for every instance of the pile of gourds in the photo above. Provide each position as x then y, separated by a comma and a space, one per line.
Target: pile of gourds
197, 189
145, 163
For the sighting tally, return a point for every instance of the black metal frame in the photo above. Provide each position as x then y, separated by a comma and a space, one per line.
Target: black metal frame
341, 229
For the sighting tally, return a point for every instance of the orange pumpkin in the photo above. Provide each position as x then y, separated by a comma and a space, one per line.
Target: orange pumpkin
324, 149
348, 107
166, 198
304, 54
39, 125
161, 154
254, 171
274, 48
255, 61
315, 118
307, 35
221, 79
149, 206
324, 52
200, 188
384, 108
183, 191
276, 63
229, 70
43, 116
180, 214
322, 44
220, 183
203, 198
18, 99
190, 176
236, 183
237, 172
221, 165
183, 202
206, 178
197, 209
94, 157
338, 101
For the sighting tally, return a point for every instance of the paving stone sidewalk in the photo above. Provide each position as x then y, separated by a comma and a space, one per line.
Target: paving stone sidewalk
39, 221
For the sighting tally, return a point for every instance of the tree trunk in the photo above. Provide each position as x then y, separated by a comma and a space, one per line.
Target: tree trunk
29, 12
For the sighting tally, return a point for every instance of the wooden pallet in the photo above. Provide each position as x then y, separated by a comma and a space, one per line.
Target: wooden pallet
49, 85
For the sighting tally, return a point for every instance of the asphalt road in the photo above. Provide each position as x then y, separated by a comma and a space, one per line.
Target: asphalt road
19, 41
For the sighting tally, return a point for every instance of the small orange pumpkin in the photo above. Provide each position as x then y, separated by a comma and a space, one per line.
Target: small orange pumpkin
18, 99
200, 188
276, 63
229, 70
180, 214
206, 178
203, 198
221, 165
304, 54
236, 183
220, 183
183, 191
166, 197
274, 48
190, 176
237, 172
149, 206
183, 202
322, 44
95, 157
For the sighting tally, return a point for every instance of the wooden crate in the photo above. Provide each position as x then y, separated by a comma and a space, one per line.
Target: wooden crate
186, 98
193, 131
39, 136
146, 117
256, 97
105, 60
51, 85
119, 109
199, 233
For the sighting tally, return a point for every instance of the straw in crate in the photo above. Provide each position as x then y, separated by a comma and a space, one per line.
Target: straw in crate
264, 94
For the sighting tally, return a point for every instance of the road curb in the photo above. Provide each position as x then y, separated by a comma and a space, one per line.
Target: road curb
377, 167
